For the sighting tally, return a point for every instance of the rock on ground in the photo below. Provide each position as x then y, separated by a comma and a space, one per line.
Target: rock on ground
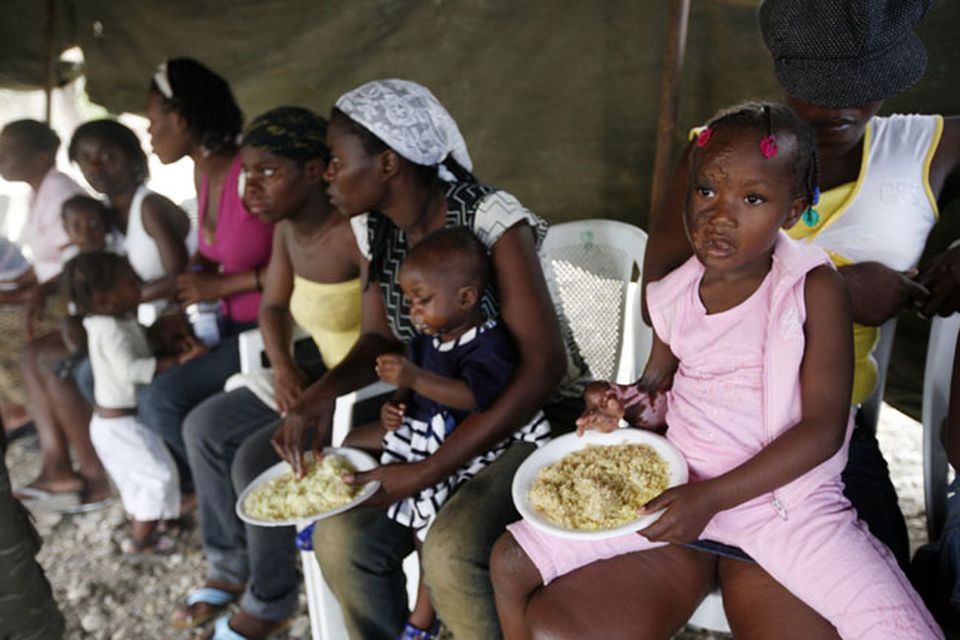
107, 597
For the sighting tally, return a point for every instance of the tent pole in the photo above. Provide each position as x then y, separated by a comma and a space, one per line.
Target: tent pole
674, 50
48, 83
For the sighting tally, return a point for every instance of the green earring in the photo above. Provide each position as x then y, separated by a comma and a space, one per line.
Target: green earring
810, 217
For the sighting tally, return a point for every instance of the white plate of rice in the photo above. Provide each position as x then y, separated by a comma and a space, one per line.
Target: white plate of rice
276, 499
591, 486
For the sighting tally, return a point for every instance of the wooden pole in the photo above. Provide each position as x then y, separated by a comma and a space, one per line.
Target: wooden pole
674, 50
51, 61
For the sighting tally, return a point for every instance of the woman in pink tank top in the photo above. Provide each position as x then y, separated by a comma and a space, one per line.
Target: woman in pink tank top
193, 113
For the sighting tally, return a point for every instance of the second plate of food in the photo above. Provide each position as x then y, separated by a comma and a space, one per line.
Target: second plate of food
276, 499
591, 486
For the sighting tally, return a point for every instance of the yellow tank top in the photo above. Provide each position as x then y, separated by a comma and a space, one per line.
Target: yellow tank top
330, 313
864, 337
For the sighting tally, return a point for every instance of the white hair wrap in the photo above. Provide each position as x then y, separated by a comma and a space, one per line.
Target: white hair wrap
410, 120
162, 80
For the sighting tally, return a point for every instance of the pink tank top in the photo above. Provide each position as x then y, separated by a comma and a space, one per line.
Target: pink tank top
715, 409
242, 242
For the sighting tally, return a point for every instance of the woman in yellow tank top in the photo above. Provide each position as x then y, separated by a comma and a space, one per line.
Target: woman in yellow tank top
313, 280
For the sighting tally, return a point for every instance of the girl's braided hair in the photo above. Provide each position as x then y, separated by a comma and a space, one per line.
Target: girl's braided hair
88, 273
774, 120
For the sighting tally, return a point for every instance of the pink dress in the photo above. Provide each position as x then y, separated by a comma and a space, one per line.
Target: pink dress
242, 242
734, 365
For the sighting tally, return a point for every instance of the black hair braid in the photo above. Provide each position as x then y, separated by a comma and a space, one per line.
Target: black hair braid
777, 119
205, 101
116, 134
382, 231
88, 273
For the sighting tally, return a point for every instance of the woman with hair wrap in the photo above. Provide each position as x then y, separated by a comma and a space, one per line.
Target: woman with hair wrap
192, 113
399, 168
313, 276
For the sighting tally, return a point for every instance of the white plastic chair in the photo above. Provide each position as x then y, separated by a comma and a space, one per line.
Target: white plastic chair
596, 267
937, 376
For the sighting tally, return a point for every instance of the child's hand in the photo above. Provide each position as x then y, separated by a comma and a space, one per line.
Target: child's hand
190, 348
604, 410
396, 370
689, 508
391, 414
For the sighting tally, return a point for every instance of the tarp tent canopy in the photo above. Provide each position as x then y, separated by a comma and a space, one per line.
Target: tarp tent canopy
557, 99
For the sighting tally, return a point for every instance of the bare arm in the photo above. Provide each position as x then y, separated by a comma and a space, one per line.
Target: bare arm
275, 322
167, 224
314, 408
826, 379
398, 370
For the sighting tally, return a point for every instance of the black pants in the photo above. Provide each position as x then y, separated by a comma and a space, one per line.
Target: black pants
27, 609
868, 486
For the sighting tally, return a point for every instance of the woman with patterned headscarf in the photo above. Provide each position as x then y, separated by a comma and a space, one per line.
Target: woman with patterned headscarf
399, 168
313, 277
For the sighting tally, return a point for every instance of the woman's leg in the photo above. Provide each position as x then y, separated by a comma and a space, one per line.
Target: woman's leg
274, 580
361, 554
213, 432
62, 418
165, 402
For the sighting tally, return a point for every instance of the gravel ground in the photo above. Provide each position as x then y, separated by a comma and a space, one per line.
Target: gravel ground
105, 596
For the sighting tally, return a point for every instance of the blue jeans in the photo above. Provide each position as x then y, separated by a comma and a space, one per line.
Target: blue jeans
164, 403
227, 440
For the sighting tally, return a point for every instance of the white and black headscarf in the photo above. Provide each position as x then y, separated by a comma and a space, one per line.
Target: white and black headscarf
410, 120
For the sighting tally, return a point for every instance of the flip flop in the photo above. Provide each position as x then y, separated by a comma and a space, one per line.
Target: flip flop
87, 507
158, 546
217, 599
222, 630
43, 500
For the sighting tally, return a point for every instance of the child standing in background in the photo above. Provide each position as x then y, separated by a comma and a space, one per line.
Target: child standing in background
458, 364
753, 353
106, 291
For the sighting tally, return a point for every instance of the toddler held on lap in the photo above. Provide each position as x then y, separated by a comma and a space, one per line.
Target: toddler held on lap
458, 363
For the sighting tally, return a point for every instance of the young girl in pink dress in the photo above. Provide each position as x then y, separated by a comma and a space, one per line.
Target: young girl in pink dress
751, 371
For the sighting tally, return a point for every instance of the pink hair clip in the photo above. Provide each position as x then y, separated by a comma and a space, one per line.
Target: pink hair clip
704, 137
768, 146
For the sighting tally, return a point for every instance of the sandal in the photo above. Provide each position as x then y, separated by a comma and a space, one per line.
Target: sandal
412, 632
222, 630
215, 600
155, 545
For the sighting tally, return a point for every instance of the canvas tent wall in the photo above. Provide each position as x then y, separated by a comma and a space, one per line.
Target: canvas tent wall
557, 99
